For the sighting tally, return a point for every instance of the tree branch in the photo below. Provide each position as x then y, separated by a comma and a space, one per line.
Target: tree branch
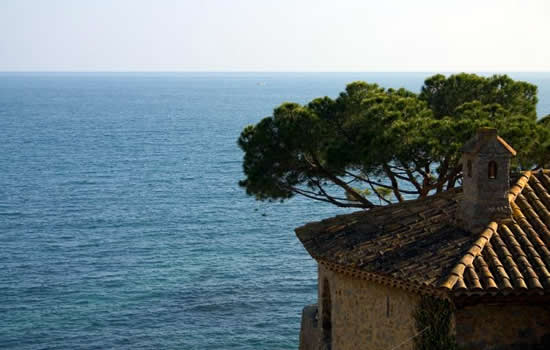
379, 184
394, 184
366, 203
412, 179
381, 198
338, 204
443, 168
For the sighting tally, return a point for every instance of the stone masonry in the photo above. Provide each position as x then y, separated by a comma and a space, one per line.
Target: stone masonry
364, 315
504, 326
486, 181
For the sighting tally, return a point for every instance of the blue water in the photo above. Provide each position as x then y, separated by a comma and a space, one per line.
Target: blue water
121, 222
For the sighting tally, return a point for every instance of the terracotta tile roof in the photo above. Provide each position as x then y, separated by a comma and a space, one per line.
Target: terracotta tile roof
512, 256
416, 244
412, 241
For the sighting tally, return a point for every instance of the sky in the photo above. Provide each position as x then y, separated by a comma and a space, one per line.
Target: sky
281, 35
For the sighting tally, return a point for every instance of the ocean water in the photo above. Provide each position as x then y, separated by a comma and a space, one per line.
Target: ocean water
121, 222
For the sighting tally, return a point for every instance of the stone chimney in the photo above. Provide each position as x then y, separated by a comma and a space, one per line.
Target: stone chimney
486, 180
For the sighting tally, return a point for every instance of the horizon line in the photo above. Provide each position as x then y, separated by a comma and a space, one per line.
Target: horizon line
273, 71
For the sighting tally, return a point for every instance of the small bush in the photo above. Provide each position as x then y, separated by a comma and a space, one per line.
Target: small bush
433, 325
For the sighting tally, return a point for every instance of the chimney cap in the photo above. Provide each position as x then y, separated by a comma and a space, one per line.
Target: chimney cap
487, 132
482, 137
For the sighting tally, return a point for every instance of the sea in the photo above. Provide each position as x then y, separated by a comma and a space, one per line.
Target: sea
122, 225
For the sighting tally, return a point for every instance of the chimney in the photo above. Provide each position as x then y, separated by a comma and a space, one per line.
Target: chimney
486, 180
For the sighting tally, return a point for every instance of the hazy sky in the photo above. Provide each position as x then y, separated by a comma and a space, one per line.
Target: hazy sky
284, 35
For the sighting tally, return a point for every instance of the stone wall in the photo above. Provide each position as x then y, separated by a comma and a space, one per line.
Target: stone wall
354, 314
310, 334
364, 315
503, 327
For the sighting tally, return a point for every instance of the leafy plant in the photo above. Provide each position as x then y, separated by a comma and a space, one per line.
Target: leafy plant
433, 323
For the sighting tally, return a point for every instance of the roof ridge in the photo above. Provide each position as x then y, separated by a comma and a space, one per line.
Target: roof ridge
516, 189
511, 253
469, 257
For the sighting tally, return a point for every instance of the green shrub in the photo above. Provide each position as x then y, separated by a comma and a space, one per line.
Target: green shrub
433, 325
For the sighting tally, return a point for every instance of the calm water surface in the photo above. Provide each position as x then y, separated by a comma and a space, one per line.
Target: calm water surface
121, 222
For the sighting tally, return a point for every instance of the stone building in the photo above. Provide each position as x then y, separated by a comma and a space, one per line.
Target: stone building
485, 248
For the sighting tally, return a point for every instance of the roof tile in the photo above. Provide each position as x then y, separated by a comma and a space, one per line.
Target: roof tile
416, 244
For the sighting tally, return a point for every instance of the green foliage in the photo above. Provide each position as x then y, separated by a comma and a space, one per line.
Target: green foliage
383, 194
545, 120
433, 325
374, 138
542, 141
352, 196
445, 95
